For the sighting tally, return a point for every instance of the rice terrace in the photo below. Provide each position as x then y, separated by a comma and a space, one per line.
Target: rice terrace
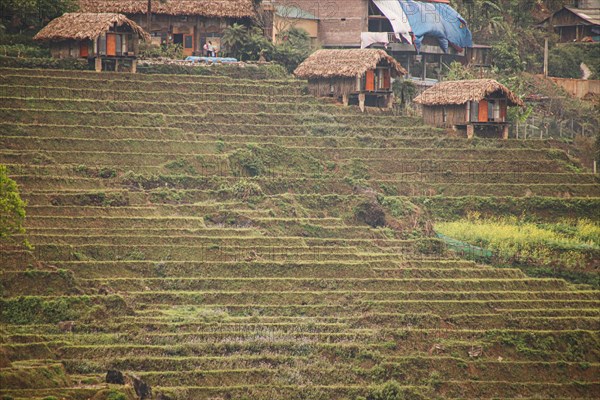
307, 200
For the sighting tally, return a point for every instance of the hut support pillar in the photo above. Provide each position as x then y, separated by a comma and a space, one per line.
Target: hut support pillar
361, 101
134, 66
390, 101
345, 99
98, 64
470, 131
505, 132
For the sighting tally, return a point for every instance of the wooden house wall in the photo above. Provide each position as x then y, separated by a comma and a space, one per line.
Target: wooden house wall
200, 28
65, 49
341, 86
434, 115
565, 17
570, 27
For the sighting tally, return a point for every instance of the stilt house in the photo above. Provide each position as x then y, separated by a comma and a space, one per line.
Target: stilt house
110, 41
362, 76
472, 105
189, 23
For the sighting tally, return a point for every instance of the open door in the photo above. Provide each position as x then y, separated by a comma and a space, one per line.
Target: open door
111, 44
188, 45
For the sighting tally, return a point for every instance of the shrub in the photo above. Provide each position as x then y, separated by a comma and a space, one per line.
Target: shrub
12, 208
565, 61
172, 51
506, 57
116, 395
246, 162
370, 212
293, 48
22, 50
244, 190
45, 63
392, 390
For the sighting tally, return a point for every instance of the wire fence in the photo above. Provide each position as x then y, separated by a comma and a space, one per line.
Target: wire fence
542, 128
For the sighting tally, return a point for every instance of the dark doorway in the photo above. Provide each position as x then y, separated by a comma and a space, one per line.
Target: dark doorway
178, 38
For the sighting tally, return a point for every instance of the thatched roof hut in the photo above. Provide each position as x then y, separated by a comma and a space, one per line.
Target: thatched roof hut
477, 104
461, 92
86, 26
345, 63
205, 8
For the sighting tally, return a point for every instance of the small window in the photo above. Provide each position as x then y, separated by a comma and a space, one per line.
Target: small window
119, 47
474, 111
102, 44
188, 42
130, 43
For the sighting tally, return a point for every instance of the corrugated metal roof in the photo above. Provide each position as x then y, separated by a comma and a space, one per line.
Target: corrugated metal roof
293, 12
591, 15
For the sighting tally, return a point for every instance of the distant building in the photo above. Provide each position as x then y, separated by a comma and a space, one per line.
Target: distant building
362, 76
108, 40
185, 22
576, 24
346, 24
281, 18
472, 105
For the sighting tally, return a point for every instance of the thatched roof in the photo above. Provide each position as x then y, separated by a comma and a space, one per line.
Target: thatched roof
459, 92
83, 26
344, 63
206, 8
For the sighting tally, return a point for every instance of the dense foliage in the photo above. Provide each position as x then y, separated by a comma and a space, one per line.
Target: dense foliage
149, 50
509, 27
12, 208
565, 61
19, 14
250, 44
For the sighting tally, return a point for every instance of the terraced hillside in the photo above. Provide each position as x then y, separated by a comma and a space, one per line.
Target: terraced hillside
221, 238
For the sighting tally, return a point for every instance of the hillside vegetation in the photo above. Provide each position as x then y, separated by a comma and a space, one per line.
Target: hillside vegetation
223, 238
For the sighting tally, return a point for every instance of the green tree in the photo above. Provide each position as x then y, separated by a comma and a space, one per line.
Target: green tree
18, 14
234, 39
292, 49
12, 208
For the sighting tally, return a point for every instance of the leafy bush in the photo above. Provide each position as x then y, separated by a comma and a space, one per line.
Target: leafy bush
244, 190
12, 208
392, 390
246, 162
45, 63
564, 61
506, 57
116, 395
22, 13
21, 50
370, 212
292, 47
149, 50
